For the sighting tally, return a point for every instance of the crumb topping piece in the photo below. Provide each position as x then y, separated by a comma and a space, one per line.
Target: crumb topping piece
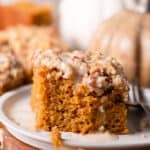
56, 137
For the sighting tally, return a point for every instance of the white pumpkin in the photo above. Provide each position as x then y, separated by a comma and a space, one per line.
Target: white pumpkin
80, 18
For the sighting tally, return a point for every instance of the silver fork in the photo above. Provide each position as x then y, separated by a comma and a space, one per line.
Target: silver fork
140, 99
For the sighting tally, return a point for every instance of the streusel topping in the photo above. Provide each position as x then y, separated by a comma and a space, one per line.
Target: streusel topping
91, 69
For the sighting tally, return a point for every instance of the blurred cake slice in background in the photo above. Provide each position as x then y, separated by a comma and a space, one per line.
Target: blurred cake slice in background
25, 13
25, 40
11, 72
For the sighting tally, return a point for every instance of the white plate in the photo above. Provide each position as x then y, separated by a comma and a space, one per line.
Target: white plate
16, 115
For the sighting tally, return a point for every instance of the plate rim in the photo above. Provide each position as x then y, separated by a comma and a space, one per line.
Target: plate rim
32, 134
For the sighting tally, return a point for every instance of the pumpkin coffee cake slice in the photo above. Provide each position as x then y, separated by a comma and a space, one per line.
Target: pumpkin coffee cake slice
79, 92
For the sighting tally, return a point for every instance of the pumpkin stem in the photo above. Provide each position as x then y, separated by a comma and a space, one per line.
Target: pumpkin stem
148, 6
137, 5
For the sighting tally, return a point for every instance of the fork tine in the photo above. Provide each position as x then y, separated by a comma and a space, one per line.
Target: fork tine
134, 92
142, 102
143, 99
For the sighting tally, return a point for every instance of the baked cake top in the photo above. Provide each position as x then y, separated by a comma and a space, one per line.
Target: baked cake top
91, 69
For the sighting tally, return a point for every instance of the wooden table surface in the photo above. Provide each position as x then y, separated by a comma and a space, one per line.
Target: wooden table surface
11, 143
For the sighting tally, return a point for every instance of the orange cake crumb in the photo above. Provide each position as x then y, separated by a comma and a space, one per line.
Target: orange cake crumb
56, 137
